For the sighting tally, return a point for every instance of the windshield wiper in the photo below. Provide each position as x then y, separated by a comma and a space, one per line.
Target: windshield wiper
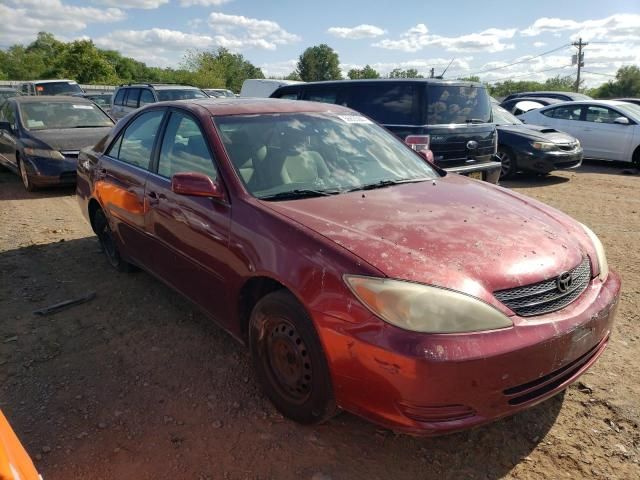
474, 120
90, 126
299, 193
387, 183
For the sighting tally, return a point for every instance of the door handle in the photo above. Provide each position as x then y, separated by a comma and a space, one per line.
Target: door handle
101, 173
153, 198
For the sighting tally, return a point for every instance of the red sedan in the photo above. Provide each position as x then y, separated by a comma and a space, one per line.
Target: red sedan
359, 276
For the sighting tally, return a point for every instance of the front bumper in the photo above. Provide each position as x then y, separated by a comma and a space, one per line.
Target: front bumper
45, 172
545, 162
487, 171
427, 384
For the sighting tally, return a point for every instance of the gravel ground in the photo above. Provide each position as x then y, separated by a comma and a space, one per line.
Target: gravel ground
137, 384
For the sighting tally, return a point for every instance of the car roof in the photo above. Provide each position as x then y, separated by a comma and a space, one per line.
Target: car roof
434, 81
51, 98
161, 86
246, 106
535, 99
50, 81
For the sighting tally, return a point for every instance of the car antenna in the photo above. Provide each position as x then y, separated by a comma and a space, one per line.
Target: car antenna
441, 76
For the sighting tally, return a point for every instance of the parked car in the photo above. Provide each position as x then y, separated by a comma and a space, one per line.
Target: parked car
520, 105
359, 276
533, 148
128, 98
635, 101
102, 99
452, 117
564, 96
50, 87
40, 137
219, 92
15, 463
6, 92
607, 129
262, 87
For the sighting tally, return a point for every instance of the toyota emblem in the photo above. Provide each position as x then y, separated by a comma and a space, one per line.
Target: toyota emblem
564, 281
472, 145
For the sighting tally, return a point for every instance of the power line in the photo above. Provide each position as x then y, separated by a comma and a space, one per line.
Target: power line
598, 73
521, 61
528, 74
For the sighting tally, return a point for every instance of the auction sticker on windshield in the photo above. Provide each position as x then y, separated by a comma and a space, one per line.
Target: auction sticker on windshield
354, 119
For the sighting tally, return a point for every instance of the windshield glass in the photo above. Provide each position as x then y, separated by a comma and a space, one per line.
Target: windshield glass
50, 115
321, 153
630, 109
457, 104
503, 117
183, 94
58, 88
104, 100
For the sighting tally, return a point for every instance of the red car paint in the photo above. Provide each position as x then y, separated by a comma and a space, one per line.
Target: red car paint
453, 232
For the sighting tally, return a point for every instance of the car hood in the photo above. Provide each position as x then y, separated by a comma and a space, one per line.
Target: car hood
456, 233
70, 138
537, 132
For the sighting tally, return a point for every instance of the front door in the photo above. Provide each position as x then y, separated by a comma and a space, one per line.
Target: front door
603, 138
191, 233
8, 141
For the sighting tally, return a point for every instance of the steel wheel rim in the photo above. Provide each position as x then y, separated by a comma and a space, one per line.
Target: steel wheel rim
505, 161
24, 176
288, 363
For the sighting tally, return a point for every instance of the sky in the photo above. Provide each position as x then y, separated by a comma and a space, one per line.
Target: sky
496, 40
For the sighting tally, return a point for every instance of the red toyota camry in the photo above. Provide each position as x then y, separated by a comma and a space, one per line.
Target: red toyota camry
360, 277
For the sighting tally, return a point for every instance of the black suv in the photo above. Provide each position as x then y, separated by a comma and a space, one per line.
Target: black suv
128, 98
455, 116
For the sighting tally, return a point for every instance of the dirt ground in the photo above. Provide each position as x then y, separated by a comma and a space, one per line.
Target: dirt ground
137, 384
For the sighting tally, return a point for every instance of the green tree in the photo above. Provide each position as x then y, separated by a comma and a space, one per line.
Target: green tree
219, 69
293, 76
626, 84
319, 63
472, 78
82, 61
409, 73
366, 72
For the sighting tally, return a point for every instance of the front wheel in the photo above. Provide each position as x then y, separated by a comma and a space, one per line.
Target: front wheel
288, 359
26, 180
636, 158
108, 244
508, 161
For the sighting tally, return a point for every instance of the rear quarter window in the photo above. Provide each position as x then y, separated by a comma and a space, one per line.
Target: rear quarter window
119, 98
390, 104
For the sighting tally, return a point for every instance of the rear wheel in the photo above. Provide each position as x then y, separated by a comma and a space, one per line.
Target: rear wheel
508, 161
636, 158
107, 242
289, 361
26, 180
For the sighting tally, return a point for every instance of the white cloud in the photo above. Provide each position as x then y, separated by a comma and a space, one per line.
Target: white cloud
539, 44
422, 65
142, 4
279, 69
614, 27
203, 3
237, 32
22, 21
418, 37
358, 32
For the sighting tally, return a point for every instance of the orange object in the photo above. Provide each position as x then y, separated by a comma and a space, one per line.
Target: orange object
15, 463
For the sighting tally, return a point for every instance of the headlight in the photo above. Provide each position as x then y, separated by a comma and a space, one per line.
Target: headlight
423, 308
603, 266
44, 153
544, 146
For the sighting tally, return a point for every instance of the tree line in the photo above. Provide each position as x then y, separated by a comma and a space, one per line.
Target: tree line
83, 61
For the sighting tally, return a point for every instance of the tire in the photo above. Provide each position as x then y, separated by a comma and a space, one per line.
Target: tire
289, 360
26, 180
635, 160
508, 161
108, 244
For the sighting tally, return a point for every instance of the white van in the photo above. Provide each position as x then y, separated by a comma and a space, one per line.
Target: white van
262, 87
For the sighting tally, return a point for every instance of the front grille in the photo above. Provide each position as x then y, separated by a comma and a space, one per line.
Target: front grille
545, 297
534, 389
567, 147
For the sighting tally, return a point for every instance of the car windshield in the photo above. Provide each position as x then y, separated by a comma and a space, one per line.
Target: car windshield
293, 155
503, 117
56, 115
457, 104
631, 110
180, 94
58, 88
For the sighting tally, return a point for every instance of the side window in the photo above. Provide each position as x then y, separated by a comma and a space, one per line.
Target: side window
571, 112
146, 96
119, 99
390, 103
8, 114
184, 148
134, 146
132, 98
326, 95
289, 96
598, 114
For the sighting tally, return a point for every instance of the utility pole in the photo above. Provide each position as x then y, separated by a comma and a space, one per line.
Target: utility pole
433, 72
579, 59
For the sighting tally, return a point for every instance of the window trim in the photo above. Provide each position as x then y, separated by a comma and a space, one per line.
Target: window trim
123, 130
115, 97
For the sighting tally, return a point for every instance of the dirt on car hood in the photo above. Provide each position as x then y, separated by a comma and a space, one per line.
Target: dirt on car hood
454, 232
70, 138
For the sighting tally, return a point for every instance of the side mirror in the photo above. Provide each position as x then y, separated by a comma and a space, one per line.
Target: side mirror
621, 121
196, 185
6, 126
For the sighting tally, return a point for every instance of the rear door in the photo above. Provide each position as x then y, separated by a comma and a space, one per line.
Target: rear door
117, 109
8, 140
603, 138
190, 234
566, 119
120, 179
